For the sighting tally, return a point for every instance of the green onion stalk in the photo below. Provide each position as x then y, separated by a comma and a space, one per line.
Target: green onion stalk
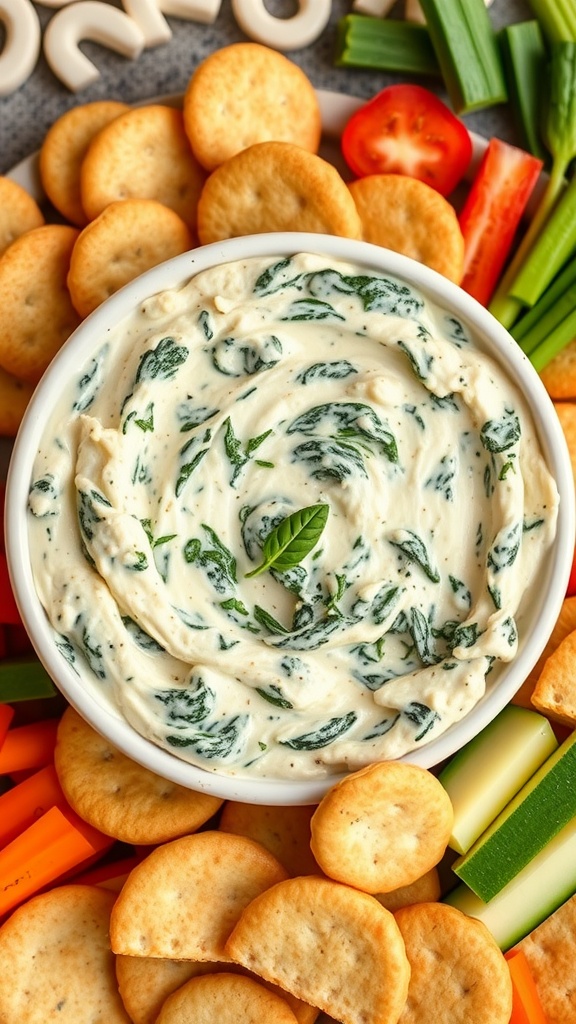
531, 270
557, 18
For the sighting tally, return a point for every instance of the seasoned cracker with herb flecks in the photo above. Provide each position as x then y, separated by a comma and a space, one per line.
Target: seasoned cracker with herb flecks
216, 873
458, 973
55, 960
382, 827
119, 797
329, 944
247, 93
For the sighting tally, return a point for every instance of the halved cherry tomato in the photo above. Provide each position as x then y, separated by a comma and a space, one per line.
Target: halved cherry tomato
405, 129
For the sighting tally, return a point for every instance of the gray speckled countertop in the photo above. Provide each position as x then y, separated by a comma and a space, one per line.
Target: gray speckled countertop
26, 114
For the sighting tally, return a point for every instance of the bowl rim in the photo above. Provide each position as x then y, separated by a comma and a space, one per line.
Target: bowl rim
90, 335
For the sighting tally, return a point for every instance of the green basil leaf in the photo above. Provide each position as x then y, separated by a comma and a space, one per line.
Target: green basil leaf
294, 537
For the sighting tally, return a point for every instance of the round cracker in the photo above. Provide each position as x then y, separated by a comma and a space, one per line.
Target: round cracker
146, 982
14, 397
226, 998
550, 949
55, 952
216, 873
410, 217
382, 827
143, 154
36, 313
19, 212
118, 796
128, 238
330, 945
275, 186
285, 831
64, 147
425, 889
566, 412
559, 376
247, 93
458, 973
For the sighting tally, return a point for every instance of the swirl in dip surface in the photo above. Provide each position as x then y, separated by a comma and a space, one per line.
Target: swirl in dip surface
217, 410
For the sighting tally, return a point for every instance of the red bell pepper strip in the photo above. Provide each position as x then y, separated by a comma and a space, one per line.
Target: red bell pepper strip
6, 716
2, 504
492, 212
571, 588
9, 613
17, 641
111, 875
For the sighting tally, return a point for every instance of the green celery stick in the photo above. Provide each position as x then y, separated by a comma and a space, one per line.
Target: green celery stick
525, 59
526, 277
550, 309
555, 341
560, 124
557, 18
24, 680
468, 54
385, 45
551, 250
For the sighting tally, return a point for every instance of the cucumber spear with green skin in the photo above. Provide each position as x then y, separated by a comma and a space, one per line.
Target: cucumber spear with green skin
532, 895
542, 808
485, 774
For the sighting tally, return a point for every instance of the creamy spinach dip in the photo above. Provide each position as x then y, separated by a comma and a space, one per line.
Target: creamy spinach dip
286, 516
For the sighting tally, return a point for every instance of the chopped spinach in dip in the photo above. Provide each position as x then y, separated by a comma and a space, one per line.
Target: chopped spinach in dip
189, 452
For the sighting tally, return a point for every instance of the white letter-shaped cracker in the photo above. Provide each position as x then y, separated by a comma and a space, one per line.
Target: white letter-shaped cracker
54, 3
147, 16
21, 46
88, 19
292, 33
192, 10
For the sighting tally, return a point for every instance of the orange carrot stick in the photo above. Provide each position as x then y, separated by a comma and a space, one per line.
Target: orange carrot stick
526, 1006
28, 746
28, 801
6, 716
55, 843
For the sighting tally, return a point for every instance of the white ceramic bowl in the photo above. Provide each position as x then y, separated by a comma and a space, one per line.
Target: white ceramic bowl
488, 333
